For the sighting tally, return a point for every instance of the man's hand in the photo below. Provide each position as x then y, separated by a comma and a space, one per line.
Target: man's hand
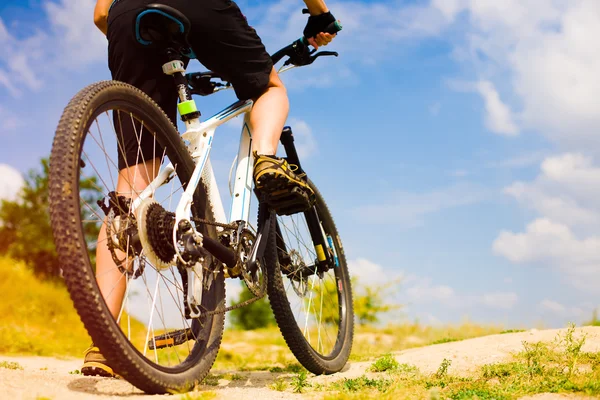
319, 19
322, 39
101, 14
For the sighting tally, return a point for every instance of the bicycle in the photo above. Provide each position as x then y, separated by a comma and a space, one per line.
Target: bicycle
180, 256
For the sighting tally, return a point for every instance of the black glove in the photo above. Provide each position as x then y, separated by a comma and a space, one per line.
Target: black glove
317, 24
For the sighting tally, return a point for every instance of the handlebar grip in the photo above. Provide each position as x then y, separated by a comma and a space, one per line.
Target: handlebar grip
334, 27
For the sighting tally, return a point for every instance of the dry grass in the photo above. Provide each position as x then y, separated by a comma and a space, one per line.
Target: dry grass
37, 317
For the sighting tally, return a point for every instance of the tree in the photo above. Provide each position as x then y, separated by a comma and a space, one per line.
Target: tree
371, 302
25, 230
253, 316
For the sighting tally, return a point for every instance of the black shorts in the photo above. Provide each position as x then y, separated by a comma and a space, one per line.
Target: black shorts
221, 39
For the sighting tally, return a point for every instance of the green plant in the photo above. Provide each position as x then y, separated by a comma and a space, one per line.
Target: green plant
233, 377
75, 372
10, 365
279, 385
572, 348
212, 379
512, 331
295, 368
533, 354
385, 363
370, 301
445, 340
300, 381
362, 382
442, 371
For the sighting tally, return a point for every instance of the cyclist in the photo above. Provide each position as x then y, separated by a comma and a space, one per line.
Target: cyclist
223, 42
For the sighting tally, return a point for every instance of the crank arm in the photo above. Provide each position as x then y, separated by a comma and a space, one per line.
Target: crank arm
260, 245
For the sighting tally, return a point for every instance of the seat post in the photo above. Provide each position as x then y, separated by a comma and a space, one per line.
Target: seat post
187, 106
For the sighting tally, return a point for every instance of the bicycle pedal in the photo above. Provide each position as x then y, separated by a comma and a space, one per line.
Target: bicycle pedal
170, 339
288, 202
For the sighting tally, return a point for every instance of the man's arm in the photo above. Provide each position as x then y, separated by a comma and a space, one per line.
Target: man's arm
316, 7
101, 14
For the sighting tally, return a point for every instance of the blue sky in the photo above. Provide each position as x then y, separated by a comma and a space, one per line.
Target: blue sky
453, 139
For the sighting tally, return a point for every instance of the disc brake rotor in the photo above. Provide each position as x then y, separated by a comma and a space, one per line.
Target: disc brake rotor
296, 277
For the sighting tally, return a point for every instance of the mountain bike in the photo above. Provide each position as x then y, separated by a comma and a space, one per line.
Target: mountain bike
172, 242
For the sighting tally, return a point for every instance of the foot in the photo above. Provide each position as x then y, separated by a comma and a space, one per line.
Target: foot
94, 364
280, 186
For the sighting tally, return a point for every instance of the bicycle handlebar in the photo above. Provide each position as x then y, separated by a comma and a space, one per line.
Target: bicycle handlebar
298, 52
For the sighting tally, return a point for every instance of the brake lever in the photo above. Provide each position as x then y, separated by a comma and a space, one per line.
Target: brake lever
324, 54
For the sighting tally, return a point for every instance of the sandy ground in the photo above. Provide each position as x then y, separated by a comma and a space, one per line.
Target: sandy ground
51, 378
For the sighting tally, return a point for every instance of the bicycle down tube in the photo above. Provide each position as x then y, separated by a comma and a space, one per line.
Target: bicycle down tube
200, 137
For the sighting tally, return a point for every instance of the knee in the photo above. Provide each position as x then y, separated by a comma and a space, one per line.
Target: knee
274, 82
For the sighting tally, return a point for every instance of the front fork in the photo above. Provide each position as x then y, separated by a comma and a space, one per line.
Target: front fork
326, 255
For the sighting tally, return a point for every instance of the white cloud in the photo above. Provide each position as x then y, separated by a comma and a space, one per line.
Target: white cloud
79, 40
498, 115
305, 142
538, 50
409, 209
11, 182
566, 190
553, 306
500, 300
423, 291
552, 244
71, 42
8, 122
565, 236
558, 309
368, 273
519, 161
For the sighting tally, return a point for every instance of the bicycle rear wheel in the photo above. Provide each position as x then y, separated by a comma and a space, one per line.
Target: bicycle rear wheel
312, 307
140, 343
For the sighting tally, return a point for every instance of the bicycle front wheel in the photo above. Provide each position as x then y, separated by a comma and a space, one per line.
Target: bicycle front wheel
312, 306
119, 266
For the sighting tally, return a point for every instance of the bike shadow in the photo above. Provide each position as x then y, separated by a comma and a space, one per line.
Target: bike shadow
98, 386
230, 379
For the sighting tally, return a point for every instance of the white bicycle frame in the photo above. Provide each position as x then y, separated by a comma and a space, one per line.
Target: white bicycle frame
200, 137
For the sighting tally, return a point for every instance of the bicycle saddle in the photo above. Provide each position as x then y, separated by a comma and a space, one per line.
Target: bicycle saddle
162, 25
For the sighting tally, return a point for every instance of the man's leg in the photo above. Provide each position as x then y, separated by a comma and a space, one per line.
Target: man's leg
112, 282
268, 116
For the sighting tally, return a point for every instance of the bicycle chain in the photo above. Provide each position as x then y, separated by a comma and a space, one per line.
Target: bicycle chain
207, 222
230, 308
